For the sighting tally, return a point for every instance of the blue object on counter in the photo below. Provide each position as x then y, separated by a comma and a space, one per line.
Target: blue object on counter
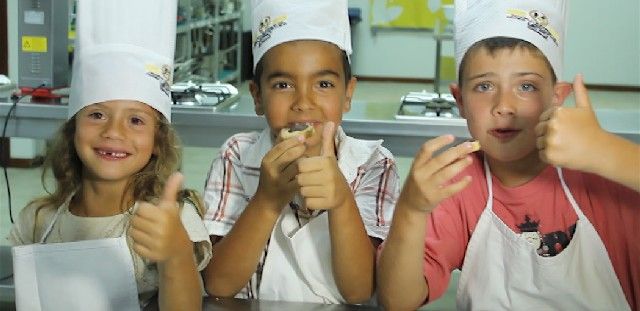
355, 15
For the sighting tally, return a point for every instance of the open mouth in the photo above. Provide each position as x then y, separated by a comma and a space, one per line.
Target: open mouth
111, 154
504, 133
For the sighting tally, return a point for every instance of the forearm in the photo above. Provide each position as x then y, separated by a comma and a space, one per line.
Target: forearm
352, 253
401, 283
179, 284
235, 257
617, 159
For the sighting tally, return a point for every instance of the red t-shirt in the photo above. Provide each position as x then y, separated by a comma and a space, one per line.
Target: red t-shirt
539, 205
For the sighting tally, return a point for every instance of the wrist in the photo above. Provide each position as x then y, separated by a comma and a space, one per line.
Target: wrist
272, 207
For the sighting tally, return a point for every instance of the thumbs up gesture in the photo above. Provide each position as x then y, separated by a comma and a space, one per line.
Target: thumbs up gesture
156, 229
322, 185
567, 136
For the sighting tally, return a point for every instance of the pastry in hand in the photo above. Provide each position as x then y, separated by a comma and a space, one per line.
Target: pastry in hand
297, 129
475, 145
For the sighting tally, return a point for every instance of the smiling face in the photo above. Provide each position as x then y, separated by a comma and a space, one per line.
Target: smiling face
303, 82
502, 96
115, 139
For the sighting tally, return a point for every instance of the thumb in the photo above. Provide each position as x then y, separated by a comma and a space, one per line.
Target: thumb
328, 139
171, 189
581, 94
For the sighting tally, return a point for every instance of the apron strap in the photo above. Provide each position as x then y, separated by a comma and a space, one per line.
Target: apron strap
569, 196
487, 173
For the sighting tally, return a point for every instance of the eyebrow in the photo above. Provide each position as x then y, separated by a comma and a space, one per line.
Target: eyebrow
320, 73
517, 74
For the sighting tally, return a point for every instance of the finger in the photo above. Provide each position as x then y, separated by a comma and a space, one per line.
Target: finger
281, 148
547, 114
142, 238
541, 128
316, 203
144, 252
581, 93
443, 176
448, 157
171, 189
311, 164
328, 139
146, 221
312, 178
313, 191
541, 143
431, 146
450, 190
287, 158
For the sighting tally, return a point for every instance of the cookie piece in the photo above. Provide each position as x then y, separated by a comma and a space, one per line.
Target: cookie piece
297, 129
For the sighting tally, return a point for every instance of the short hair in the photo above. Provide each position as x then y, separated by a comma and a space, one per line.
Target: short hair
346, 67
494, 44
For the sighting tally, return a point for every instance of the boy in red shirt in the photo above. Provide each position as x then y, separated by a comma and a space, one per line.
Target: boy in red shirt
536, 220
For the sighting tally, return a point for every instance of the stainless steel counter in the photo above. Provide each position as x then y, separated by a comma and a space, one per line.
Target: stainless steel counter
209, 128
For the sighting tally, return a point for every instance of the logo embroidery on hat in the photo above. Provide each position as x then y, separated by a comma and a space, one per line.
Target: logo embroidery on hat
164, 74
536, 21
267, 26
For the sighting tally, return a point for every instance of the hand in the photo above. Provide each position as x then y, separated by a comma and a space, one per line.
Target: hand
322, 185
277, 172
157, 231
567, 136
427, 183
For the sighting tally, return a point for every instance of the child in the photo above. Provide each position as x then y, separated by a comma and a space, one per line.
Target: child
112, 162
299, 219
526, 234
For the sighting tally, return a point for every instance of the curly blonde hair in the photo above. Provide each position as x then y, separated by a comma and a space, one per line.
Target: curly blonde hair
63, 163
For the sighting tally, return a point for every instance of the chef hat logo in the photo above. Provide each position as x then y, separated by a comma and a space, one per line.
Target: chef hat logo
266, 28
164, 75
536, 21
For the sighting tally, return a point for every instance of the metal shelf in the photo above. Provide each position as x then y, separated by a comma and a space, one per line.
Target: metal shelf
209, 41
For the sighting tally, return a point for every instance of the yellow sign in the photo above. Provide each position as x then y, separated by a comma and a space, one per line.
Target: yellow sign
34, 44
409, 14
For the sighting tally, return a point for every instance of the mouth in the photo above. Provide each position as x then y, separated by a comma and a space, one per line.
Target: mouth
504, 134
109, 154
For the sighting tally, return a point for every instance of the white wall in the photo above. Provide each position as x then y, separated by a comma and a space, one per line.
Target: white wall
603, 43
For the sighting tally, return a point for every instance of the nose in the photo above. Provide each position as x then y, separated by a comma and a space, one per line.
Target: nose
113, 129
505, 103
303, 99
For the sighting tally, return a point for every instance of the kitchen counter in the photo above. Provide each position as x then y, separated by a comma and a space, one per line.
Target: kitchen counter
206, 127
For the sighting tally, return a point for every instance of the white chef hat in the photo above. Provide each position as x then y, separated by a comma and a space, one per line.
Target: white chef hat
280, 21
124, 50
539, 22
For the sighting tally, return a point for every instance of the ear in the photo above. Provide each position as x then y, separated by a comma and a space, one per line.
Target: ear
457, 94
560, 92
255, 93
351, 87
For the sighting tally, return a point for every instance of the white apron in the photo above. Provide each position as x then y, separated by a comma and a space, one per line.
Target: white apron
502, 271
298, 262
85, 275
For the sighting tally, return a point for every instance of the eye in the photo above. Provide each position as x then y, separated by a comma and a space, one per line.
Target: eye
96, 115
281, 85
137, 121
326, 84
527, 87
483, 87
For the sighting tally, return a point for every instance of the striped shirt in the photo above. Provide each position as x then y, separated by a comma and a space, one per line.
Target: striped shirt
369, 169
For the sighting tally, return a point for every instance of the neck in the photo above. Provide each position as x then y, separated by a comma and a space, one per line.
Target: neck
101, 198
519, 172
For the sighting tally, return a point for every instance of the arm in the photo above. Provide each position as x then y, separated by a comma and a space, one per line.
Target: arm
323, 186
236, 256
572, 138
158, 235
401, 282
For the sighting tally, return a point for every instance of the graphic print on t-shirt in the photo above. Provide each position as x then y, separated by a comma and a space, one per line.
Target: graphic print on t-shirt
547, 244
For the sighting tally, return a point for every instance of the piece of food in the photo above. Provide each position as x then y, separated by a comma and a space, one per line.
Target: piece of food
475, 145
297, 129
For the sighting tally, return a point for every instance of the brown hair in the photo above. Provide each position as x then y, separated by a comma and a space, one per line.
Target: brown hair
494, 44
63, 163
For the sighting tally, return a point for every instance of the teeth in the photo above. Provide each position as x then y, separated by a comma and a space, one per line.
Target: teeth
113, 154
